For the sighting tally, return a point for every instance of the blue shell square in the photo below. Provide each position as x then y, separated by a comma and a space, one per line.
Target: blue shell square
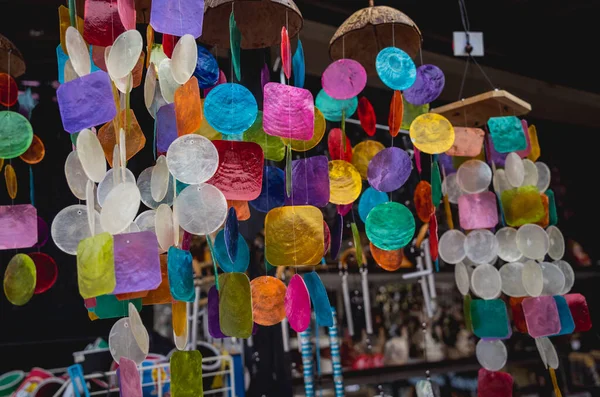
489, 318
507, 134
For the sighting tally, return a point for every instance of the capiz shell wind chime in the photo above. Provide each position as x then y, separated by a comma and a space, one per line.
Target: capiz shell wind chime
213, 151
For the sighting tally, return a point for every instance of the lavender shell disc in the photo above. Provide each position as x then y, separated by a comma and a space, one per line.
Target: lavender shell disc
389, 169
428, 86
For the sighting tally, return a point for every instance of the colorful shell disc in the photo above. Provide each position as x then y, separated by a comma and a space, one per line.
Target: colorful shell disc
344, 79
395, 68
427, 87
230, 108
390, 226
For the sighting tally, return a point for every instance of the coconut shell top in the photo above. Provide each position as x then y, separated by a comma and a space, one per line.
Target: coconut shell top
368, 31
259, 21
17, 63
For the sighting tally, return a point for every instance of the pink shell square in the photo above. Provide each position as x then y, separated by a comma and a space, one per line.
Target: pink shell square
541, 315
468, 142
478, 211
288, 112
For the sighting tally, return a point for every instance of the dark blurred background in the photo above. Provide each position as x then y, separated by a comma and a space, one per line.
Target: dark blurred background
542, 51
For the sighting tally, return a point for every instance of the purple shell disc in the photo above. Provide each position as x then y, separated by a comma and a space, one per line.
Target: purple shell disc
178, 18
214, 328
43, 232
310, 182
427, 87
344, 79
446, 162
166, 127
389, 169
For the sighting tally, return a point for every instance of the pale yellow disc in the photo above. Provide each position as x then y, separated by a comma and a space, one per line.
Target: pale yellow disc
319, 131
362, 155
432, 133
345, 184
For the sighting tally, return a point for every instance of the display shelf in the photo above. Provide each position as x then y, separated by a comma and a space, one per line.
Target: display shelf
403, 372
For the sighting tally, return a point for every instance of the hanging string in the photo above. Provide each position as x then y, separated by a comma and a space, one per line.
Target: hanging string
287, 20
464, 78
393, 35
267, 183
483, 72
464, 17
268, 208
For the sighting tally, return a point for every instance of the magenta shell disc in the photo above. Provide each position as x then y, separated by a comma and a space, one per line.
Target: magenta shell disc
344, 79
297, 304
